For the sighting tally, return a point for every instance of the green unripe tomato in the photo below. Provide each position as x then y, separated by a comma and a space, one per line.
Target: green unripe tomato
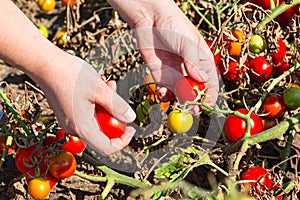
257, 44
291, 98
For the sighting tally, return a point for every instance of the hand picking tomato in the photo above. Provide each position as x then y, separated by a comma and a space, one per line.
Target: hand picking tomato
234, 72
110, 126
279, 54
62, 165
46, 5
235, 127
260, 69
179, 122
186, 89
25, 156
73, 144
273, 106
291, 98
69, 3
259, 178
39, 188
257, 44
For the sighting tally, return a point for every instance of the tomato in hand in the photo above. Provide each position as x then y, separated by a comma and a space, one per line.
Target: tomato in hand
291, 98
69, 3
46, 5
62, 165
24, 157
279, 54
110, 126
73, 144
260, 69
273, 106
257, 44
235, 127
259, 177
39, 188
179, 122
233, 72
186, 89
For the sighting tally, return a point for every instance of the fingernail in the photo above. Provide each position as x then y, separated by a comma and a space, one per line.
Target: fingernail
130, 115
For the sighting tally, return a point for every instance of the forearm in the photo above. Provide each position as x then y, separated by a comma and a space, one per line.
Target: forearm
24, 47
132, 11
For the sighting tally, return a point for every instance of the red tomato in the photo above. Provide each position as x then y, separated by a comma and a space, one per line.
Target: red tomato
49, 140
234, 72
73, 144
63, 165
110, 126
273, 106
261, 179
279, 54
281, 68
11, 148
39, 188
69, 3
31, 174
186, 89
235, 127
24, 157
260, 69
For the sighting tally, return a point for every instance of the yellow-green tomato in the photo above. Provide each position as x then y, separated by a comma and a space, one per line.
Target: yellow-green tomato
179, 122
257, 44
43, 30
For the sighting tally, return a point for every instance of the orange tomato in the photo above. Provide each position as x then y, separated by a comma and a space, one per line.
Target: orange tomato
39, 188
69, 3
46, 5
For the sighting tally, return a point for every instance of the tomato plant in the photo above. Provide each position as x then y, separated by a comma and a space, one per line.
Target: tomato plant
186, 89
62, 165
280, 52
257, 44
259, 177
235, 127
69, 3
27, 158
110, 126
39, 188
260, 69
73, 144
10, 149
179, 122
233, 72
47, 5
291, 98
273, 106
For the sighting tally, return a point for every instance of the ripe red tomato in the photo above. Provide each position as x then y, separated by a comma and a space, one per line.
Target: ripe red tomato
235, 127
291, 98
179, 122
24, 157
260, 69
281, 68
234, 72
186, 89
273, 106
110, 126
46, 5
69, 3
279, 54
259, 177
73, 144
39, 188
62, 165
10, 149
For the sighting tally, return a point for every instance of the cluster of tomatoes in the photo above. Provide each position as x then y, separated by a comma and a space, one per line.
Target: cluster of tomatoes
44, 164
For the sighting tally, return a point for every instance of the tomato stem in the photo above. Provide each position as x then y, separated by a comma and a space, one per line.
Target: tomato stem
276, 12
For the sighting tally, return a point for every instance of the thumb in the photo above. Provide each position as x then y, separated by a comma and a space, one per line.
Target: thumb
106, 96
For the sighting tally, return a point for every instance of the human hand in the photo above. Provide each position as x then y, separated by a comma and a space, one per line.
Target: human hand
170, 44
73, 99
